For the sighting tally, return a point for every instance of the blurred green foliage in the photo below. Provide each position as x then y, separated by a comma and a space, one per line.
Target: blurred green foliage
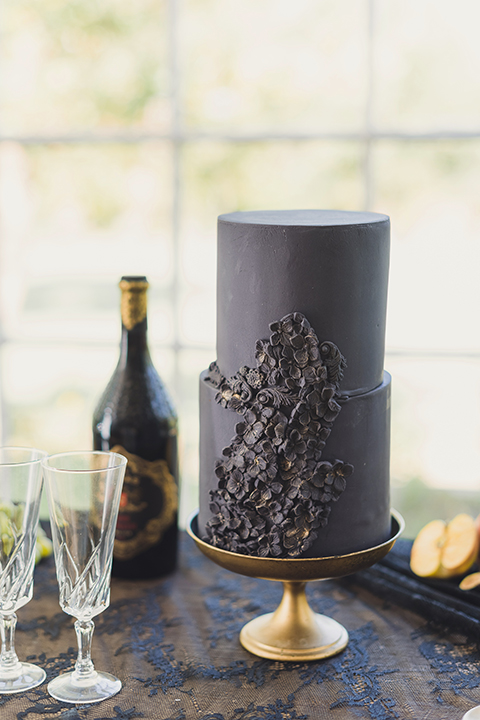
90, 64
419, 503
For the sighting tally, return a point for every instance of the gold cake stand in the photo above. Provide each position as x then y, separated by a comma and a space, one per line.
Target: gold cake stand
294, 632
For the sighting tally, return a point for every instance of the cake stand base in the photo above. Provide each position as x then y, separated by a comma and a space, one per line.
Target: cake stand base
294, 632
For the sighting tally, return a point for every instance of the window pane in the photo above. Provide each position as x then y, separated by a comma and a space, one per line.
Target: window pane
428, 443
83, 65
426, 65
274, 65
50, 391
73, 220
191, 364
223, 177
430, 190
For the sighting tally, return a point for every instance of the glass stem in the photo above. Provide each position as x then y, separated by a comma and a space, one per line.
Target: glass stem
84, 669
8, 656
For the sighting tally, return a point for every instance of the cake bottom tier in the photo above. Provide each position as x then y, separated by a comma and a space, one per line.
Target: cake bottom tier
360, 518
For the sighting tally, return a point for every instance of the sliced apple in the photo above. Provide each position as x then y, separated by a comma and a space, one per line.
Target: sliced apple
470, 581
477, 525
426, 555
444, 550
461, 545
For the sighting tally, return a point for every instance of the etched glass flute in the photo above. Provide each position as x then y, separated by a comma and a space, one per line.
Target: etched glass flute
83, 490
20, 492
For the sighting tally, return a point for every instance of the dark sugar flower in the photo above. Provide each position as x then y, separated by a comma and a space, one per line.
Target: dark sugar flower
253, 432
261, 496
215, 539
293, 537
220, 521
224, 394
255, 464
331, 479
269, 544
294, 446
237, 484
273, 488
324, 433
231, 398
214, 376
255, 378
266, 448
294, 486
293, 371
260, 464
321, 373
303, 418
264, 356
256, 522
302, 358
266, 413
243, 528
287, 354
220, 470
304, 517
275, 430
297, 342
281, 331
313, 351
313, 398
328, 408
290, 469
234, 458
342, 471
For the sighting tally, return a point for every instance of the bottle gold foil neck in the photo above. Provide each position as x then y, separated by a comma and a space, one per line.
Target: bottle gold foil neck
133, 305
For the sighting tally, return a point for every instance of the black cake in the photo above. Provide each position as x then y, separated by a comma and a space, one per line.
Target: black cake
295, 412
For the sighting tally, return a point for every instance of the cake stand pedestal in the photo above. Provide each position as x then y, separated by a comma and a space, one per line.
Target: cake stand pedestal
294, 632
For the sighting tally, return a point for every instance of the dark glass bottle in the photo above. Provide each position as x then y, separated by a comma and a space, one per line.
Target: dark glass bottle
136, 418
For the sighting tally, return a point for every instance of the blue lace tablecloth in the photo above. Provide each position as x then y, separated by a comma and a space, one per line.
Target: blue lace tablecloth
174, 644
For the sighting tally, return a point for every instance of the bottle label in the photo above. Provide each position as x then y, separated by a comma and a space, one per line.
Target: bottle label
148, 505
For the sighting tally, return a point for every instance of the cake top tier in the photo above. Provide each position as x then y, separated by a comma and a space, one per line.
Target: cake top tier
304, 218
329, 265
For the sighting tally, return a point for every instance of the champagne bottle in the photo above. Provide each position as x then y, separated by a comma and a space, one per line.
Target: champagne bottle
135, 417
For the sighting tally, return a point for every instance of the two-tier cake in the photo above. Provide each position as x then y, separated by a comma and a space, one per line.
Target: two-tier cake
295, 412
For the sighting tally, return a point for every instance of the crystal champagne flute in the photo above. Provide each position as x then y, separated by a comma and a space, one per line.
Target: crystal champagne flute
83, 490
20, 492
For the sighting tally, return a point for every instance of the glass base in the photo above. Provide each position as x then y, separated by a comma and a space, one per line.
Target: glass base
68, 688
473, 714
28, 676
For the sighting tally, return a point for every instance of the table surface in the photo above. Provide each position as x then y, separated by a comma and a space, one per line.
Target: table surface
174, 644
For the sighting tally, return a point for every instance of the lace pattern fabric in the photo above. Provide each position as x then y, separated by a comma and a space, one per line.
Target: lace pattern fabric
174, 644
